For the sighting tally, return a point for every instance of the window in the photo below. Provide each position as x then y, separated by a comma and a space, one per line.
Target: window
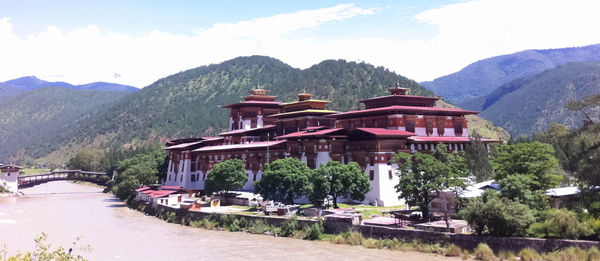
458, 128
440, 127
429, 127
193, 178
371, 175
390, 174
254, 177
181, 179
410, 125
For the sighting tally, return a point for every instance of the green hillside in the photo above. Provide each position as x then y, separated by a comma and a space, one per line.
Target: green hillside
187, 103
530, 104
35, 123
482, 77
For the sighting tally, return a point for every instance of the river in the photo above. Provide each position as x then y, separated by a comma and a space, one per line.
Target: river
66, 211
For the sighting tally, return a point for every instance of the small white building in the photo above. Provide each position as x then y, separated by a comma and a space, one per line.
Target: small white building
10, 177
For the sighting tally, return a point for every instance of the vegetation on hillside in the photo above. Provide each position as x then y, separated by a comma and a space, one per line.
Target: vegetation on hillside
482, 77
36, 123
528, 105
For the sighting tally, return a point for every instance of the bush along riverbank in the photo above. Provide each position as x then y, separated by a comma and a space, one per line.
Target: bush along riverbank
315, 230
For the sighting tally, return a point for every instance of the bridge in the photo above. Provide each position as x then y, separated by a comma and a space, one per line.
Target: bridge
36, 179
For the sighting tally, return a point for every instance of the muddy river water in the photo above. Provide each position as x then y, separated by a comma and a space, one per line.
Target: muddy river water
67, 211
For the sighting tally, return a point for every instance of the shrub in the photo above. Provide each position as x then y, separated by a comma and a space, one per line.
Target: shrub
484, 252
238, 224
465, 255
453, 250
288, 227
354, 238
314, 231
560, 223
225, 220
593, 254
528, 254
197, 223
259, 226
499, 217
299, 234
506, 255
339, 239
390, 244
370, 243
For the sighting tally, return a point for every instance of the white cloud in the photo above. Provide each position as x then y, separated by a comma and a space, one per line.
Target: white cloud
475, 30
88, 54
466, 32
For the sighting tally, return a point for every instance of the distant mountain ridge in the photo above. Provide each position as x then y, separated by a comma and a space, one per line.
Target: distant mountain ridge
530, 104
482, 77
29, 83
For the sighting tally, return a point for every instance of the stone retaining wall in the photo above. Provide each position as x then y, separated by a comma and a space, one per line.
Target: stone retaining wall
465, 241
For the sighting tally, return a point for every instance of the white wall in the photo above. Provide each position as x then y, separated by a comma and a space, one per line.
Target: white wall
382, 187
9, 181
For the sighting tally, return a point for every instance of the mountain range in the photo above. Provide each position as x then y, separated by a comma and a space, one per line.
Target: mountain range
30, 83
186, 104
482, 77
529, 104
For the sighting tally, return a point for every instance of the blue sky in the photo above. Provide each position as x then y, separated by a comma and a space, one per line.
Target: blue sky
138, 42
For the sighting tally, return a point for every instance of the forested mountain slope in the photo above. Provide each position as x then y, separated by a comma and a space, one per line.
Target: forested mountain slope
35, 123
530, 104
482, 77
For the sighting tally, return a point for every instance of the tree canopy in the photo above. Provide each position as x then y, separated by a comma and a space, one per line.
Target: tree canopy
285, 179
225, 176
535, 159
424, 176
335, 180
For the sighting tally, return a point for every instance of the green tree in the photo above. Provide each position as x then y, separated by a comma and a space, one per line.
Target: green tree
87, 160
141, 169
424, 176
335, 180
477, 158
560, 223
226, 176
535, 159
498, 216
518, 188
285, 178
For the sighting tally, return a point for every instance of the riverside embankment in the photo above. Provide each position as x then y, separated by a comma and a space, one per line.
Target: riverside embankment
66, 211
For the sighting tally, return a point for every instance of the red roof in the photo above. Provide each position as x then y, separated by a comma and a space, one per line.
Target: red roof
404, 96
266, 127
170, 187
447, 139
308, 133
261, 144
251, 103
400, 108
149, 191
183, 145
315, 128
161, 193
142, 189
386, 132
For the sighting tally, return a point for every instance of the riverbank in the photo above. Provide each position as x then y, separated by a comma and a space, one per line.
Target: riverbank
67, 211
378, 237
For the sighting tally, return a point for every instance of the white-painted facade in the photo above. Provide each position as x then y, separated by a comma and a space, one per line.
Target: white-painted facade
10, 178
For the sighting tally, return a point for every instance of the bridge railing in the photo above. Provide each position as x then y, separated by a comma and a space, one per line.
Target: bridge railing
31, 180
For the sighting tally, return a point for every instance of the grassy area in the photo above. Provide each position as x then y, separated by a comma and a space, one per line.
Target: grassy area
33, 171
368, 211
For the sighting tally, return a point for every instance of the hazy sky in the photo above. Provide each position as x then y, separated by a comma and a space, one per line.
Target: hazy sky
139, 42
